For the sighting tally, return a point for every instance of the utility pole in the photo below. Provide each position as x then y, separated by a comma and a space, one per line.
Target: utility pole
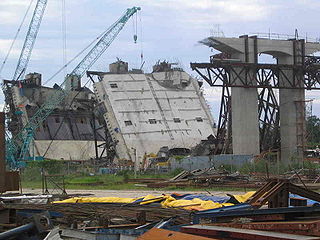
135, 162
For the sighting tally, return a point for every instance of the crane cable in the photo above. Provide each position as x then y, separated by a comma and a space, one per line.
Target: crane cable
141, 44
135, 27
64, 60
15, 37
64, 33
76, 56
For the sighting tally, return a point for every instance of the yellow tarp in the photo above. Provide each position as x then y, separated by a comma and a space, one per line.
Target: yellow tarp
244, 197
151, 199
194, 204
97, 200
167, 201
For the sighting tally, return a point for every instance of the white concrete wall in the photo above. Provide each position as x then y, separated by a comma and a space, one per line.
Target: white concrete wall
140, 97
65, 149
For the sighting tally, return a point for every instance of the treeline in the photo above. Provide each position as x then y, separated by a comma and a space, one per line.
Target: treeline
313, 130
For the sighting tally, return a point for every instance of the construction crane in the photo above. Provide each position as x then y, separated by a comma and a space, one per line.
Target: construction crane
17, 148
30, 39
23, 61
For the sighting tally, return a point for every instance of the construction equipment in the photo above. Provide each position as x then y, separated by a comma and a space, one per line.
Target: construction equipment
18, 147
24, 58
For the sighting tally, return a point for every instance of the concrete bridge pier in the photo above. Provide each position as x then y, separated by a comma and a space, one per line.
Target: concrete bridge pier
244, 101
292, 108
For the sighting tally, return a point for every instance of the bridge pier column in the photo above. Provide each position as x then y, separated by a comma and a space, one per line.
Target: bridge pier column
292, 110
244, 107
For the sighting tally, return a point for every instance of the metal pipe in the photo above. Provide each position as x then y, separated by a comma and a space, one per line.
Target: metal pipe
16, 231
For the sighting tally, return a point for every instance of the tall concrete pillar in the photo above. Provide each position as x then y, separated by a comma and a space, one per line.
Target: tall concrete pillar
244, 101
244, 108
292, 110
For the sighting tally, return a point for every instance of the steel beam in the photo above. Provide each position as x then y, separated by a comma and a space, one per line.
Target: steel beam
288, 212
310, 227
235, 233
252, 75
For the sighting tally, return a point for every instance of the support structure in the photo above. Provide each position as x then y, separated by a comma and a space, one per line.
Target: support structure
254, 103
224, 131
269, 118
108, 146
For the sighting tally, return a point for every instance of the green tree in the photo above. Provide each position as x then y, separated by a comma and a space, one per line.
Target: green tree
313, 129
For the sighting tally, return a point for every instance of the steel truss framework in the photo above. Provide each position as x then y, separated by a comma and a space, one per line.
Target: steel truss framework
266, 77
268, 111
269, 119
251, 75
108, 147
224, 131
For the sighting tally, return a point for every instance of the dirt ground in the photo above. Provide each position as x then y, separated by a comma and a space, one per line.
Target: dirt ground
131, 193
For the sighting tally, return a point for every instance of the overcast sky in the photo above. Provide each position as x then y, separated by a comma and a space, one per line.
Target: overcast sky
167, 29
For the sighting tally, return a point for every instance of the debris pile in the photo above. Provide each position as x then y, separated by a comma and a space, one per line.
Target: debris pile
278, 210
212, 177
207, 177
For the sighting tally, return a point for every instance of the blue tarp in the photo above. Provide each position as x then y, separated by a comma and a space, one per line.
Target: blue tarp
217, 199
309, 202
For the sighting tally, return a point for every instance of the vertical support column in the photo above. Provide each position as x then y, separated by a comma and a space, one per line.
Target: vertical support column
292, 110
245, 120
300, 104
2, 153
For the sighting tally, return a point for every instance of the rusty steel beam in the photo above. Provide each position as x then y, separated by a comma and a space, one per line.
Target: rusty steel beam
310, 227
276, 193
253, 75
235, 233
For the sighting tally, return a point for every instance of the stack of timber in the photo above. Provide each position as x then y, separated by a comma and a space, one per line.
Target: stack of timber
105, 214
207, 178
211, 177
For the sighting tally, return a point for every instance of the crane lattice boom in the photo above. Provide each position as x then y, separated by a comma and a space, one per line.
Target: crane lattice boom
30, 39
103, 43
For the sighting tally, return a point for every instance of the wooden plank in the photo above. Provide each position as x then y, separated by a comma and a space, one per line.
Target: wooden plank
162, 234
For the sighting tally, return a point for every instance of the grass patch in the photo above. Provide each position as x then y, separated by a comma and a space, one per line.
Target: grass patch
131, 186
31, 177
117, 182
